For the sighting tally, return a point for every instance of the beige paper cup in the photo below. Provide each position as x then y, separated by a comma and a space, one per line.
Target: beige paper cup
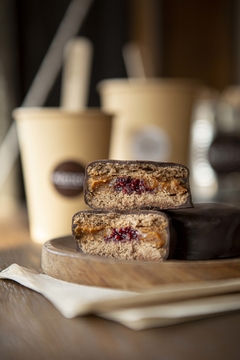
55, 147
152, 118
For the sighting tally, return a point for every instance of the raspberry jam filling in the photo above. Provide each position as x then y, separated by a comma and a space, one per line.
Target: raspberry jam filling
129, 185
122, 234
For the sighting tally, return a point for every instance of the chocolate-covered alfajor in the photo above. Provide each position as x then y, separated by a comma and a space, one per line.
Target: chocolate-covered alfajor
207, 231
129, 185
137, 235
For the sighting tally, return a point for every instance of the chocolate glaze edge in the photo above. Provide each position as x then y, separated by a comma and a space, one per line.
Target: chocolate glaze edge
207, 231
141, 162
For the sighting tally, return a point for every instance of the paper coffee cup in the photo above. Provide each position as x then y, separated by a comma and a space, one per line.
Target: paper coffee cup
152, 117
55, 147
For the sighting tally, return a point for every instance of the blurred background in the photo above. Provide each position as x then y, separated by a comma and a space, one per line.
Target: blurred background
197, 39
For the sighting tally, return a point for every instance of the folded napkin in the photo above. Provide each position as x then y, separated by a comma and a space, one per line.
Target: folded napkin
160, 306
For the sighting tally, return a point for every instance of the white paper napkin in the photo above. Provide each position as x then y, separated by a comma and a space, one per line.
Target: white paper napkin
161, 306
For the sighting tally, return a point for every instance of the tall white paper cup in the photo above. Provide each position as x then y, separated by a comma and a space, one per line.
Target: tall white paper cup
152, 117
55, 147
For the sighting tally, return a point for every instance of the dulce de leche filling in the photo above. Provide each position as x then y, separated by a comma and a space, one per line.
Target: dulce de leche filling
121, 235
130, 185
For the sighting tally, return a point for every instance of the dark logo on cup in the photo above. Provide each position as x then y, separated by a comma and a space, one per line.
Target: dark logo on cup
68, 178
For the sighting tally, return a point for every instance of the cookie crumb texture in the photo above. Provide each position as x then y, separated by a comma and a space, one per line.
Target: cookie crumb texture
129, 236
126, 185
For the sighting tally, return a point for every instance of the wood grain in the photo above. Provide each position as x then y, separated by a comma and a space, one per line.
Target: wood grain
61, 260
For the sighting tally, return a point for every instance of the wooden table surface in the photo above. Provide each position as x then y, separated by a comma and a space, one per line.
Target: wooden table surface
31, 327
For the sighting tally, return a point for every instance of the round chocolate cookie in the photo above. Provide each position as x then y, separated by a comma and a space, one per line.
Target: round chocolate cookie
207, 231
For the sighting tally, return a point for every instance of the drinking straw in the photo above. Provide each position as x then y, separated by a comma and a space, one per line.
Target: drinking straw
44, 79
133, 61
76, 74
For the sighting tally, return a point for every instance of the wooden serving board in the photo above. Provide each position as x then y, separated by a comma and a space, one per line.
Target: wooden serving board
60, 260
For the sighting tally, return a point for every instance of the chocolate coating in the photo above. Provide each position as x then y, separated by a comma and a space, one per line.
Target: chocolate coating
207, 231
